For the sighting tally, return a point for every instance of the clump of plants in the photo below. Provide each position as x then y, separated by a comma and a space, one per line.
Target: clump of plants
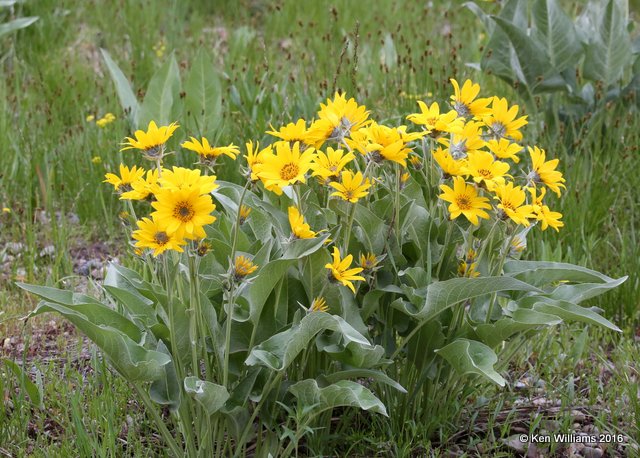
358, 265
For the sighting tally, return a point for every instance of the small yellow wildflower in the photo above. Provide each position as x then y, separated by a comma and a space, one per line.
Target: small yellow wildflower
351, 187
243, 267
96, 160
208, 153
299, 228
485, 169
127, 176
153, 234
327, 166
512, 204
255, 158
150, 142
337, 120
183, 178
450, 167
464, 200
90, 118
368, 262
288, 166
502, 122
545, 172
319, 304
244, 213
340, 271
434, 122
504, 149
143, 188
465, 102
184, 211
543, 213
6, 210
294, 132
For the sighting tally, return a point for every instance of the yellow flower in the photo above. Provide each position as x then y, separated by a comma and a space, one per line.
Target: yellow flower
450, 167
351, 187
545, 172
504, 149
207, 152
299, 228
184, 211
203, 248
244, 213
255, 158
368, 261
153, 234
464, 103
543, 213
127, 176
327, 166
468, 269
90, 118
106, 119
338, 119
465, 142
288, 166
96, 160
151, 141
502, 122
319, 304
243, 267
340, 271
434, 122
293, 132
464, 200
143, 188
415, 161
484, 169
512, 205
383, 142
6, 210
182, 178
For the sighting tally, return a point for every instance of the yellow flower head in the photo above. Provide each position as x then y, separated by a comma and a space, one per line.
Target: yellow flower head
184, 211
191, 179
543, 213
207, 152
512, 204
293, 132
468, 269
464, 200
127, 176
6, 210
143, 188
450, 167
255, 158
351, 187
153, 234
434, 122
502, 122
485, 169
465, 142
384, 143
504, 149
319, 305
151, 141
340, 271
299, 228
96, 160
545, 172
288, 166
465, 102
243, 267
244, 213
415, 161
338, 119
327, 166
368, 261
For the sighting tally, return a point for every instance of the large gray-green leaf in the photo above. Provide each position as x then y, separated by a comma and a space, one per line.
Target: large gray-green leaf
133, 361
472, 357
344, 393
279, 351
378, 376
203, 93
166, 389
568, 311
521, 320
162, 92
529, 59
16, 24
127, 98
444, 294
540, 273
556, 31
209, 395
609, 50
57, 295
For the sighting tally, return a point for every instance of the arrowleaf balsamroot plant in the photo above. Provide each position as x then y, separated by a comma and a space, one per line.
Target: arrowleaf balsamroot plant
359, 265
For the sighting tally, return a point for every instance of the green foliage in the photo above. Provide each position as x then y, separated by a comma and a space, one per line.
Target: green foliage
537, 48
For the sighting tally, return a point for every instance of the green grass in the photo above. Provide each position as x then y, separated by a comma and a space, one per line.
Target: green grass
278, 61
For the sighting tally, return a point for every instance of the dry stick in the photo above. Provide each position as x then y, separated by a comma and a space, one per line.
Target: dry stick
340, 59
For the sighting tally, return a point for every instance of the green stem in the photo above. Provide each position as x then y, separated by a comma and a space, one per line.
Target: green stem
164, 431
503, 257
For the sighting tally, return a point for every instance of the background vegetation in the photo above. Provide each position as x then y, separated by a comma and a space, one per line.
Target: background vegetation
277, 60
